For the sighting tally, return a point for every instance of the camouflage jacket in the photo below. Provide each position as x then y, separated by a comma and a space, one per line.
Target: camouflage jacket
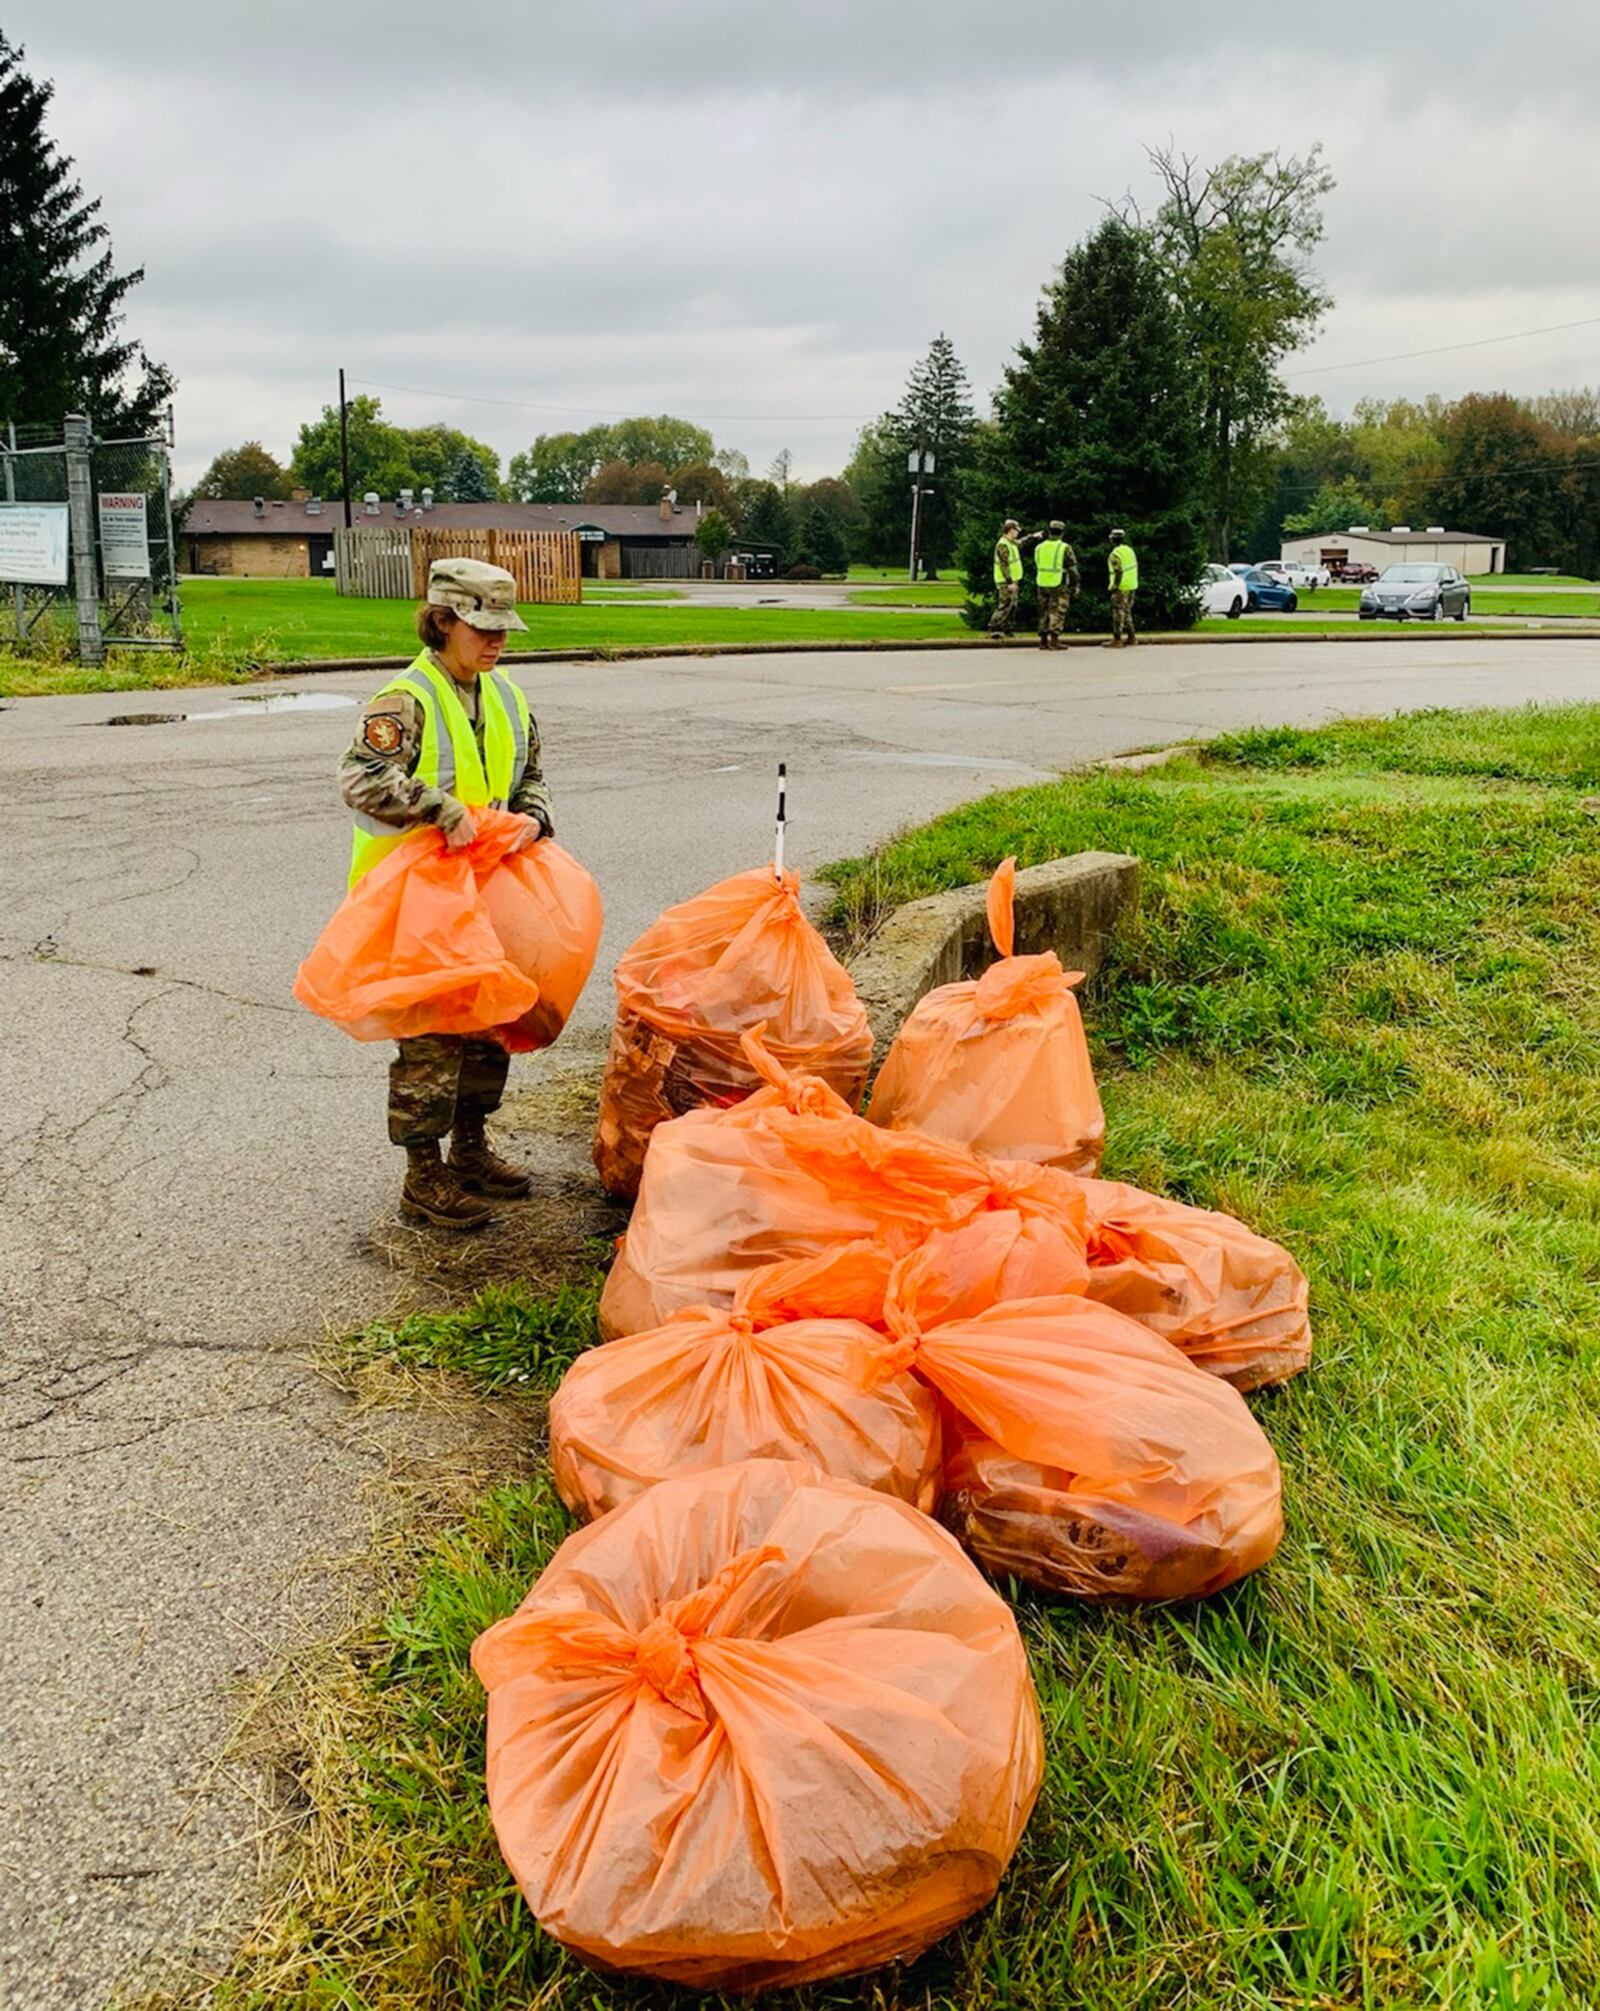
377, 772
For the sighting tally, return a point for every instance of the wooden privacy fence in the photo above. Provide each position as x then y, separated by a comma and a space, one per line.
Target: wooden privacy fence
391, 561
545, 564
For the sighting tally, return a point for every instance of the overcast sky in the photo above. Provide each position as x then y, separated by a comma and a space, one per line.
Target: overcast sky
757, 215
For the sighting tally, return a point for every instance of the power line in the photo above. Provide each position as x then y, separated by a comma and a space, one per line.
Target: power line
1444, 348
612, 412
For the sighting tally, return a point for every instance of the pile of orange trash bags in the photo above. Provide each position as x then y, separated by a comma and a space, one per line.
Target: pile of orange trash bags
763, 1721
482, 941
999, 1063
742, 954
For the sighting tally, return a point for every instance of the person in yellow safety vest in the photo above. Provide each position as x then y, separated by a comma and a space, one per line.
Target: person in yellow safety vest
448, 736
1124, 572
1055, 571
1008, 550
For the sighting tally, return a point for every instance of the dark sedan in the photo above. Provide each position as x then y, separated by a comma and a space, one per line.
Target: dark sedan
1266, 592
1417, 593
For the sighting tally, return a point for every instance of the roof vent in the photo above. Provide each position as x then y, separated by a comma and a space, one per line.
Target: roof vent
1400, 530
1357, 530
313, 506
372, 502
260, 506
427, 499
1436, 530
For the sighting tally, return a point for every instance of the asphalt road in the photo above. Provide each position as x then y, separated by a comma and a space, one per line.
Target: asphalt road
196, 1181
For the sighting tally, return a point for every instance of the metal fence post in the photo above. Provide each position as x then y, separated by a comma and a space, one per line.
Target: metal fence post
18, 597
85, 563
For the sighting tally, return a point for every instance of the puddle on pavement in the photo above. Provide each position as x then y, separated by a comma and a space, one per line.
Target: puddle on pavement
257, 701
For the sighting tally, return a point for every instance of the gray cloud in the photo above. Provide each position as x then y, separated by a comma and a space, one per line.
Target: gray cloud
720, 208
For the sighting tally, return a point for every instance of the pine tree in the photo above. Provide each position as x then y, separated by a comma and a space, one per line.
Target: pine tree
61, 346
767, 521
1098, 423
822, 541
935, 414
468, 480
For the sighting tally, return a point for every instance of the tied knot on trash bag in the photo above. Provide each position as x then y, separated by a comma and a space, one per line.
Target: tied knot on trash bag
663, 1652
903, 1349
1016, 984
803, 1095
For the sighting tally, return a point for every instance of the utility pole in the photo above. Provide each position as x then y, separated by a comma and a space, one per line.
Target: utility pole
344, 450
918, 461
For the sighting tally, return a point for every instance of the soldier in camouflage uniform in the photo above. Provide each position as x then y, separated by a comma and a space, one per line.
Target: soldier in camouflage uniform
1123, 569
1008, 550
1055, 581
446, 1084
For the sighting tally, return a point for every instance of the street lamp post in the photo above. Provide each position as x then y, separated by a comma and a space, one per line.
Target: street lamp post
918, 463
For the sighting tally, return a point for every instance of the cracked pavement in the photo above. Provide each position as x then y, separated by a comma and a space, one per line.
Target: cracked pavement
194, 1176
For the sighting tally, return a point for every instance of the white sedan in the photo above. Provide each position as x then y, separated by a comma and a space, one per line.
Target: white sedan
1222, 592
1294, 572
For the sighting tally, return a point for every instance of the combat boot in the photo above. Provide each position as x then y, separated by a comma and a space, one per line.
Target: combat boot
479, 1168
435, 1193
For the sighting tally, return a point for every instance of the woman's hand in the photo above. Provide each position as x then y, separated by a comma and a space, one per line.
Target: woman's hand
462, 832
530, 834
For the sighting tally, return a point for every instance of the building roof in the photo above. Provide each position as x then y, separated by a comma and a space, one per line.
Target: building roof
617, 520
1423, 537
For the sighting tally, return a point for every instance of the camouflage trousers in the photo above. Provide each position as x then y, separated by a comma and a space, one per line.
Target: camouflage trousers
1122, 615
1004, 618
1053, 605
434, 1076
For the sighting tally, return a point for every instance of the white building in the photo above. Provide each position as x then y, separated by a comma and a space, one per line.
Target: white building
1467, 551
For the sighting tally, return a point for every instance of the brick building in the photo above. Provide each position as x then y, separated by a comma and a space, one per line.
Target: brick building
294, 540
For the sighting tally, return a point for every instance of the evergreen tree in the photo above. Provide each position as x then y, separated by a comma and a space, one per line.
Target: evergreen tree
935, 414
1097, 422
468, 480
61, 298
822, 541
767, 521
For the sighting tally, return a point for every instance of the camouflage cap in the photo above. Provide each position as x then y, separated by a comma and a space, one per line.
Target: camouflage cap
482, 596
1056, 524
1011, 524
1118, 535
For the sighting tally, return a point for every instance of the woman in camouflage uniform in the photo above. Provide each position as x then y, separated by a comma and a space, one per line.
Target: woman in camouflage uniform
414, 761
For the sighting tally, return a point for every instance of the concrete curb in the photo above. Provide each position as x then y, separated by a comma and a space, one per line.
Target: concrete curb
1072, 906
1445, 632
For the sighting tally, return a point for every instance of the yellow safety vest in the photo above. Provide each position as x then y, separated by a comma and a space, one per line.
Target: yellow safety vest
1130, 569
1007, 561
449, 759
1050, 561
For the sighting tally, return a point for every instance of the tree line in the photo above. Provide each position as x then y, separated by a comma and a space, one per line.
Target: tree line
1150, 394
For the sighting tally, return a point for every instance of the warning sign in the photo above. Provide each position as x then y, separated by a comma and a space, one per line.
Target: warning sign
124, 536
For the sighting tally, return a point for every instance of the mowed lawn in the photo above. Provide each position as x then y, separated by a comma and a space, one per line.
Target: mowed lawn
1361, 1009
279, 620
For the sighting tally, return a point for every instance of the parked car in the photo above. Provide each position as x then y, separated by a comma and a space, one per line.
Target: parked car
1262, 591
1222, 592
1294, 572
1417, 593
1353, 573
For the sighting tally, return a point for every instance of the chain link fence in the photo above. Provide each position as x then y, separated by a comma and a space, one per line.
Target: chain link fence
87, 556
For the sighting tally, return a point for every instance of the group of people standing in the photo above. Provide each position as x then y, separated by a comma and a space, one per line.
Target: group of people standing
1056, 580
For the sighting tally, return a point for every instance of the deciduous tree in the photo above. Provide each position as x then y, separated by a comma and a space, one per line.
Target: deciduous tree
625, 482
558, 467
240, 474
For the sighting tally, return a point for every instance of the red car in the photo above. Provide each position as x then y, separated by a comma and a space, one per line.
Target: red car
1355, 575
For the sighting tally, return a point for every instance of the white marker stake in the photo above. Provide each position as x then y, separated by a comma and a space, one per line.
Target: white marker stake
777, 849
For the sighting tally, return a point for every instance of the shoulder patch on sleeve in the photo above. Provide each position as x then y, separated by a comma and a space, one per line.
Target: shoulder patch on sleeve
381, 732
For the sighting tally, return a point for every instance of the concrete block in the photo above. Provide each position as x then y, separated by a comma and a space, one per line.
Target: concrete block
1072, 906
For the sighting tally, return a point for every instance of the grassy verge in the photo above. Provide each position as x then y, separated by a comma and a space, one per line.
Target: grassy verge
1358, 1008
927, 593
1580, 607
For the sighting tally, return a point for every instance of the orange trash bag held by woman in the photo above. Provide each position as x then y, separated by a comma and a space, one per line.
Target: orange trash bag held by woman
757, 1729
739, 955
1000, 1064
712, 1387
1235, 1303
476, 941
789, 1172
1085, 1454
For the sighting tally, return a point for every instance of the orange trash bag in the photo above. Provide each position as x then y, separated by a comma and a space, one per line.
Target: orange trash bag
1235, 1303
713, 1387
1087, 1455
1000, 1064
741, 954
789, 1172
757, 1729
476, 941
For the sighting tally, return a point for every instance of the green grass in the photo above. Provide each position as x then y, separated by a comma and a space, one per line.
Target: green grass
926, 593
1361, 1008
1576, 606
1531, 580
